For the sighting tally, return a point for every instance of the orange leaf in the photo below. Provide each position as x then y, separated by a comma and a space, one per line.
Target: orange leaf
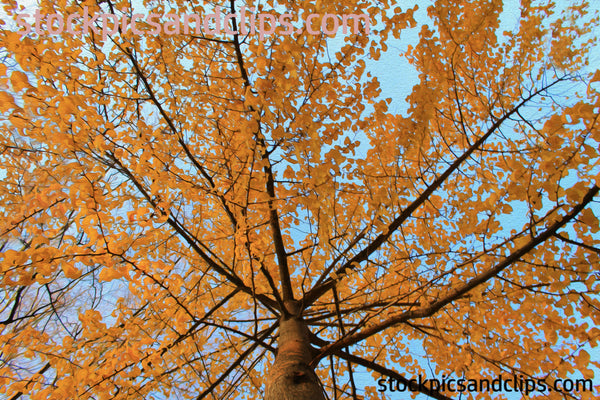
19, 81
70, 271
7, 102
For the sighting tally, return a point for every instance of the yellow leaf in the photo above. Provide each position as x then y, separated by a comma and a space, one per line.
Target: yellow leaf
18, 121
70, 271
588, 218
108, 274
261, 64
7, 102
19, 81
90, 318
66, 107
583, 359
554, 124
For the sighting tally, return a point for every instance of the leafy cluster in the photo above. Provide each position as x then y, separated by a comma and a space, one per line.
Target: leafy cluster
163, 196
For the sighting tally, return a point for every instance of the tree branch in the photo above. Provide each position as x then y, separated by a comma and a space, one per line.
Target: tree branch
434, 307
363, 255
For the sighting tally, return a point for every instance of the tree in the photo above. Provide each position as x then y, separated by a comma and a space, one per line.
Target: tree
191, 215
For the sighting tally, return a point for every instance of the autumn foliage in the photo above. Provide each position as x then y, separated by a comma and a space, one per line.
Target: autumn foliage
175, 209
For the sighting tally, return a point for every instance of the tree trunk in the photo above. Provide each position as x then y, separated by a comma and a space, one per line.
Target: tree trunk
291, 377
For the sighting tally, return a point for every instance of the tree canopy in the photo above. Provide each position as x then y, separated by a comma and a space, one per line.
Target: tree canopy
223, 215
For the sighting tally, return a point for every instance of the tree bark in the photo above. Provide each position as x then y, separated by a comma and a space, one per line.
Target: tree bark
291, 377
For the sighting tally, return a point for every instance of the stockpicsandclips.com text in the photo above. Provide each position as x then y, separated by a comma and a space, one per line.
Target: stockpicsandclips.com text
217, 23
